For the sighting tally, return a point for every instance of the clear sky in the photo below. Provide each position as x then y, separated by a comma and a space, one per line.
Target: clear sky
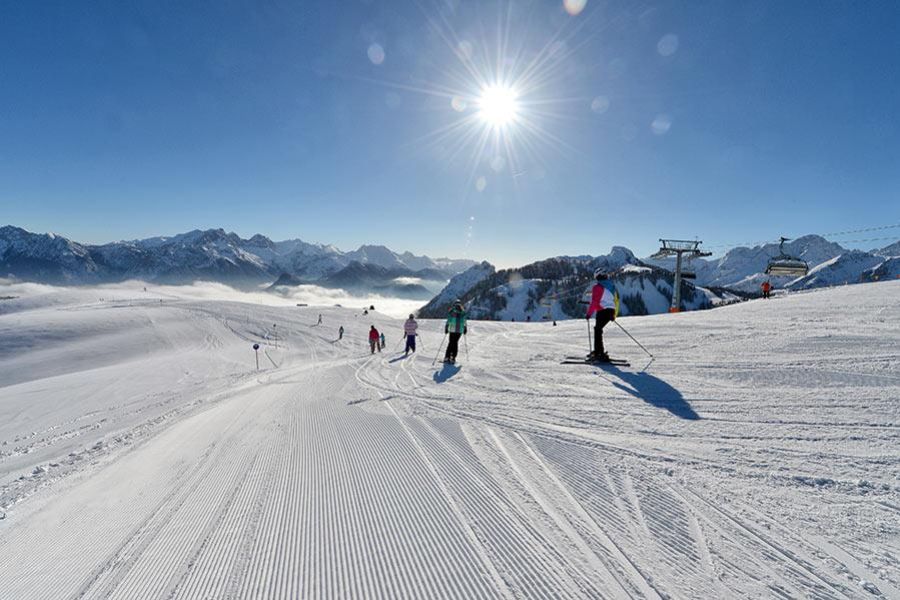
364, 121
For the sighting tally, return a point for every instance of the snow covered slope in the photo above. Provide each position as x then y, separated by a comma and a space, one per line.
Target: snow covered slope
142, 455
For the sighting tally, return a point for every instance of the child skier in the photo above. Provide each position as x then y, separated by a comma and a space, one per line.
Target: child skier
381, 339
455, 327
766, 289
409, 330
341, 332
604, 302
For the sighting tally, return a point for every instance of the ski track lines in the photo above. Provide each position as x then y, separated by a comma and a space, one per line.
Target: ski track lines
334, 473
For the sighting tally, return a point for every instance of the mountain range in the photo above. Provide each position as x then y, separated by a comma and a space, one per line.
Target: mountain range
216, 255
743, 268
553, 289
549, 289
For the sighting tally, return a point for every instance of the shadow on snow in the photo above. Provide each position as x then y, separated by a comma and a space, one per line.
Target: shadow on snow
654, 391
446, 373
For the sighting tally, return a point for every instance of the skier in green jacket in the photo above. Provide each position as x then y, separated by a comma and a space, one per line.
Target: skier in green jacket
455, 327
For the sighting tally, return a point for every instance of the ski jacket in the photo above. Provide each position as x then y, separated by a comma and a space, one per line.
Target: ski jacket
766, 286
456, 322
410, 327
373, 335
603, 296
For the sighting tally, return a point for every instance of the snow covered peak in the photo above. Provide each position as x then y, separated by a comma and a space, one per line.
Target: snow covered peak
376, 255
458, 287
892, 250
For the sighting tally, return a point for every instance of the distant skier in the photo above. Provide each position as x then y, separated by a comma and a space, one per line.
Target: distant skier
455, 327
381, 340
374, 340
766, 289
341, 332
604, 302
409, 330
320, 320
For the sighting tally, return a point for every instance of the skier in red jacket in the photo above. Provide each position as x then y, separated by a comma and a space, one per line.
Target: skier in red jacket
374, 340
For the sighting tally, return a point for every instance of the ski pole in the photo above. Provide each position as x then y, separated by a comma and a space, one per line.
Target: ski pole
397, 345
634, 340
439, 350
421, 343
466, 342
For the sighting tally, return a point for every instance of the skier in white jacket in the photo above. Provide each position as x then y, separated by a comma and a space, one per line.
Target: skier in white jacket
409, 330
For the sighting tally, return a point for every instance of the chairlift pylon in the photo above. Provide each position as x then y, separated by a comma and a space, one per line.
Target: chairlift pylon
785, 264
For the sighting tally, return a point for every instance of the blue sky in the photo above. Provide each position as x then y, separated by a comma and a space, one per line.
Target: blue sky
336, 122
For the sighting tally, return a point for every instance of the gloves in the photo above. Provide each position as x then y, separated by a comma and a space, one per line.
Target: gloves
465, 330
446, 329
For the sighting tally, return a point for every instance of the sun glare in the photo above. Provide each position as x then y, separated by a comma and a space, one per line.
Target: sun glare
498, 105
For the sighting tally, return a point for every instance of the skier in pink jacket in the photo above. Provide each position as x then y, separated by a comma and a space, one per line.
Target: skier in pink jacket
605, 303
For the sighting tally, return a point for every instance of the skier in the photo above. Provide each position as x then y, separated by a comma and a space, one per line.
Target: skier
455, 327
381, 340
409, 330
374, 340
320, 320
604, 302
341, 332
766, 289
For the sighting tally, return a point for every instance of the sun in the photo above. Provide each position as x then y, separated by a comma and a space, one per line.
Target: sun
498, 105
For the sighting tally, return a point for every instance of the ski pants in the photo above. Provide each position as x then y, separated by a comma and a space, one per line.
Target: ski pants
453, 346
603, 317
374, 344
410, 343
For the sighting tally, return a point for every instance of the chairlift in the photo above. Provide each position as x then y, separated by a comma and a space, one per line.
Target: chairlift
785, 264
687, 271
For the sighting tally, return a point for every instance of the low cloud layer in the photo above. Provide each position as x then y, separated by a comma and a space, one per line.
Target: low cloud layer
283, 296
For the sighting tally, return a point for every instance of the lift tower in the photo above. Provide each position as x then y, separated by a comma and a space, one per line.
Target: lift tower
678, 248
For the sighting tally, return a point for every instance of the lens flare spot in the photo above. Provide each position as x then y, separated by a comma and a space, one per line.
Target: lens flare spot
661, 124
458, 104
498, 105
667, 45
498, 163
600, 104
480, 183
574, 7
376, 54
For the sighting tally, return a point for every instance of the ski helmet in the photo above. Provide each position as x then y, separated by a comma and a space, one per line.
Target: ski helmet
600, 273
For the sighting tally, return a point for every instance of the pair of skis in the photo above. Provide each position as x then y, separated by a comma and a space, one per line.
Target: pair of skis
581, 360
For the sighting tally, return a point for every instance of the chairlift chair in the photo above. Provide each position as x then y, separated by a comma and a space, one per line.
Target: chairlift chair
687, 271
785, 264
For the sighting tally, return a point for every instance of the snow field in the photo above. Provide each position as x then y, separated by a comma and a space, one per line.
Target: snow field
757, 456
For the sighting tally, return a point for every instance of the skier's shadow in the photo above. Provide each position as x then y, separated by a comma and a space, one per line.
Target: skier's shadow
654, 391
446, 373
399, 358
